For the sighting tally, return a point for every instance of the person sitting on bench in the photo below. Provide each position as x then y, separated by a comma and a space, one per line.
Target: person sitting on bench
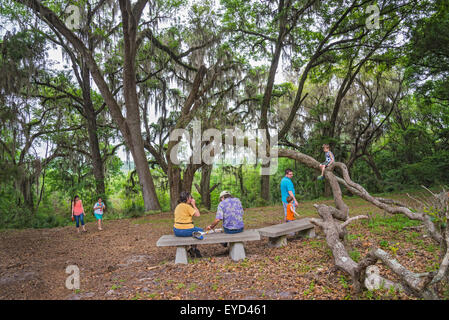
184, 213
230, 211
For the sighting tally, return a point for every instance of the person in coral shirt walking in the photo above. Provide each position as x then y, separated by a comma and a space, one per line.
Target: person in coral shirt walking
78, 213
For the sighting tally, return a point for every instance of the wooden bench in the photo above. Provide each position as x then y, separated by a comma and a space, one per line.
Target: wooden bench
236, 248
277, 233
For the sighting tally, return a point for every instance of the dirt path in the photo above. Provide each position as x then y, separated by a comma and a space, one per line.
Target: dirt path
33, 262
123, 262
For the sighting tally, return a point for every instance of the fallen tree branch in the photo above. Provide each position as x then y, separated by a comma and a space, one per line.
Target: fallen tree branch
420, 216
334, 235
344, 224
375, 281
417, 284
443, 270
317, 222
391, 201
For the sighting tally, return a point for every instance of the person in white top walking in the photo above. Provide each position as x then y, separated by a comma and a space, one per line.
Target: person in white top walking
98, 212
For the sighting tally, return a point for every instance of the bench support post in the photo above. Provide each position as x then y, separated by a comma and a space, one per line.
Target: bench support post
277, 242
236, 251
308, 233
181, 255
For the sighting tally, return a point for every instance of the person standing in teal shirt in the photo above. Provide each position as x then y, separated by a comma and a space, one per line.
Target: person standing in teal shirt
287, 189
98, 212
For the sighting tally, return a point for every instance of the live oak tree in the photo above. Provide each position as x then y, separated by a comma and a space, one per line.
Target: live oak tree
95, 143
130, 124
433, 214
265, 26
365, 114
27, 119
427, 57
196, 58
340, 37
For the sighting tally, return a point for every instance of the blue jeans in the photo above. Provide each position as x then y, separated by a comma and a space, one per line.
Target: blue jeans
185, 232
285, 208
78, 218
231, 231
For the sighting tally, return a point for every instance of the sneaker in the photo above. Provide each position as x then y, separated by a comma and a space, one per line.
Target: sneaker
197, 235
320, 178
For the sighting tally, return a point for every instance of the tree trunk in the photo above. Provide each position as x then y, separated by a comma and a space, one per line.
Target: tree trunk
265, 187
150, 199
136, 145
327, 189
206, 172
27, 192
89, 111
334, 235
369, 159
174, 180
187, 179
240, 177
132, 108
265, 179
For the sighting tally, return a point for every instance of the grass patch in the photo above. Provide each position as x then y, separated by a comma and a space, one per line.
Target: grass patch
310, 289
137, 297
193, 287
316, 244
390, 223
355, 255
351, 237
180, 286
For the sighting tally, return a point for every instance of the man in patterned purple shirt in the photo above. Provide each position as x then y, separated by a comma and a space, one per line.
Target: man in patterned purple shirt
229, 210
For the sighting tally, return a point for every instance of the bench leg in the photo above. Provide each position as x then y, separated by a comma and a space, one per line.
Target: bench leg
308, 233
181, 255
236, 251
277, 242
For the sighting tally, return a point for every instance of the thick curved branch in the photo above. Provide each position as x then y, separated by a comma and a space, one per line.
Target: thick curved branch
443, 270
333, 238
317, 222
177, 58
345, 224
414, 283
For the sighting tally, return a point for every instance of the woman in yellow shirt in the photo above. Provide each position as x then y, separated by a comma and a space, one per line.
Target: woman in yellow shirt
184, 213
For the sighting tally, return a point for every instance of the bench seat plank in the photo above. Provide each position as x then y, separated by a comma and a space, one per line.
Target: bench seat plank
286, 228
173, 241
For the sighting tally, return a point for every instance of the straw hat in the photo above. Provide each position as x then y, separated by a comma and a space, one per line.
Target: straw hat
223, 193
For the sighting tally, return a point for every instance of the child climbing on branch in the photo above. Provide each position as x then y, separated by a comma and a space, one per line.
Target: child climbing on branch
329, 160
